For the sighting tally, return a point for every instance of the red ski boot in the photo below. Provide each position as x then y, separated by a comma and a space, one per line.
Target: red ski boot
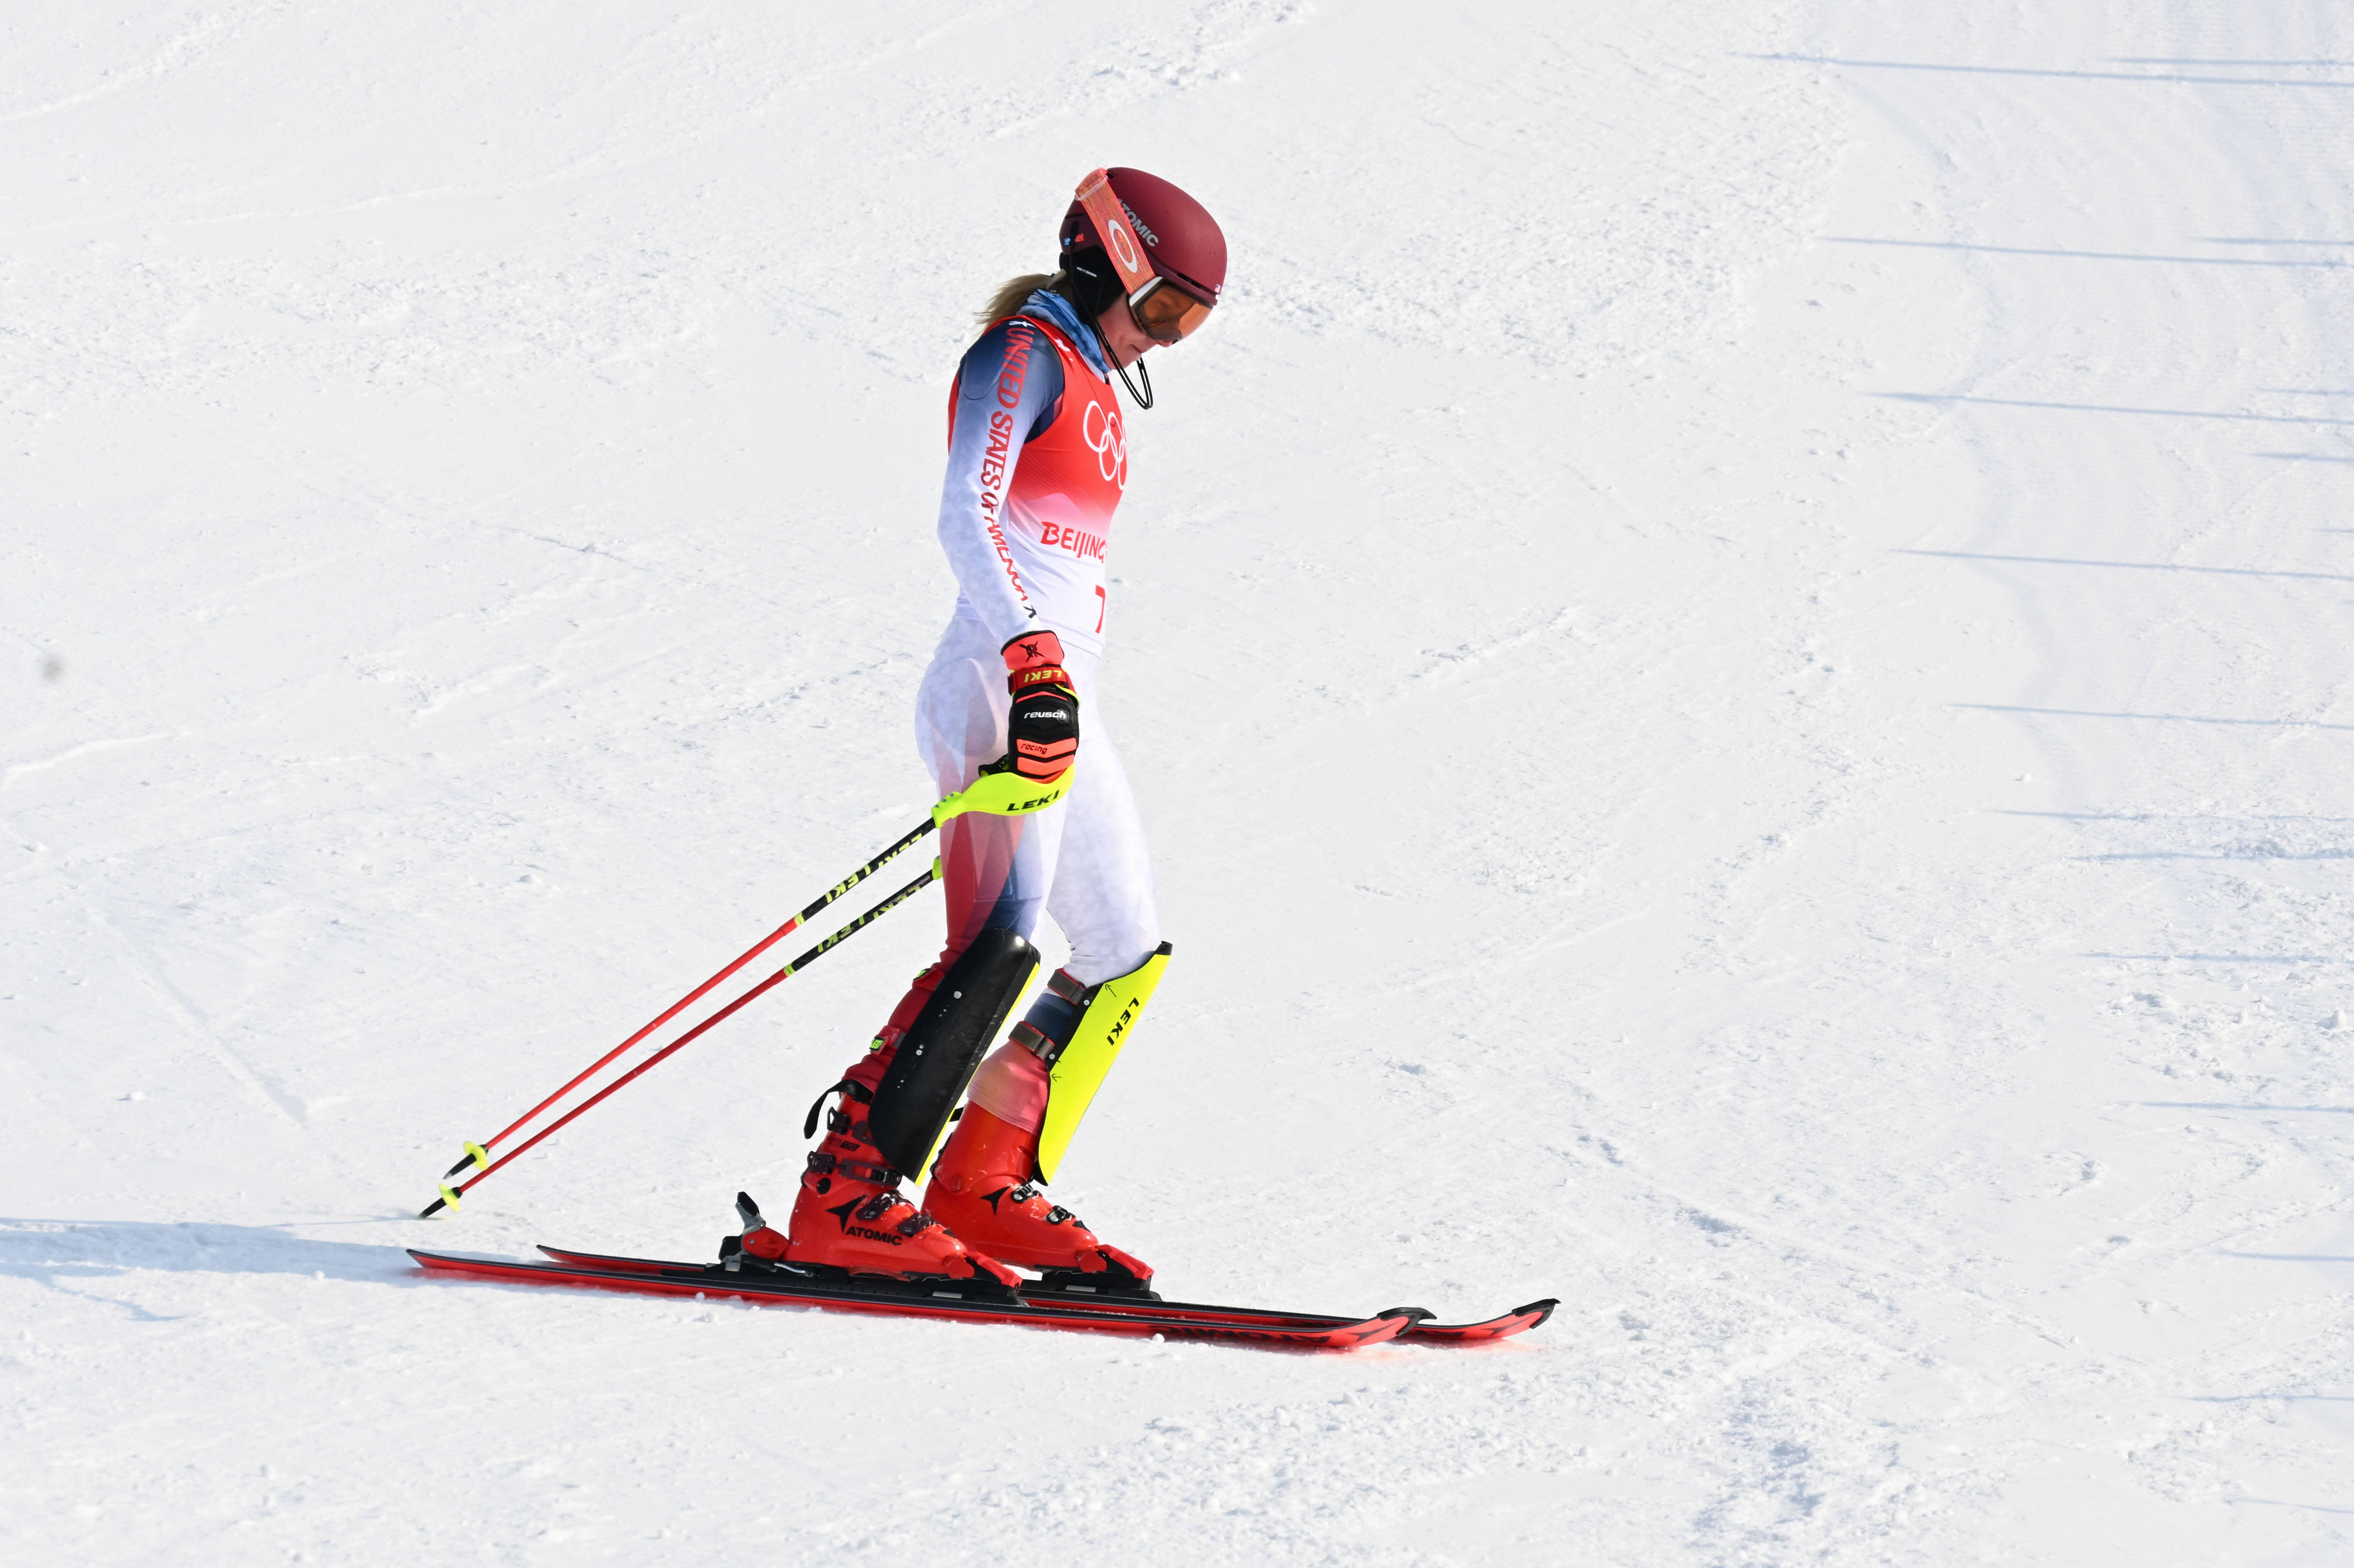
850, 1215
981, 1189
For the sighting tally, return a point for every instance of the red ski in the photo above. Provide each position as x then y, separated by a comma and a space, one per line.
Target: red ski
1519, 1320
963, 1301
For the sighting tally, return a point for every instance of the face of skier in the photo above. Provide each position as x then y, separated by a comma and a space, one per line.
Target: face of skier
1128, 341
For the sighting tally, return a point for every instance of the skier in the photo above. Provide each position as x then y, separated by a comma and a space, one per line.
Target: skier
1037, 462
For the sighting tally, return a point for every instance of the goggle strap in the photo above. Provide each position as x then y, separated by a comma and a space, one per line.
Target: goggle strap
1096, 199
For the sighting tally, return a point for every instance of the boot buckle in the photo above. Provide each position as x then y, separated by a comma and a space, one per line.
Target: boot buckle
820, 1164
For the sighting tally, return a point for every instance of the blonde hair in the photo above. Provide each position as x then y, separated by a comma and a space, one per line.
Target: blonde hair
1014, 293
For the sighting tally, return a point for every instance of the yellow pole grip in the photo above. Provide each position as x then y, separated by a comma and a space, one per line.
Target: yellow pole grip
1005, 795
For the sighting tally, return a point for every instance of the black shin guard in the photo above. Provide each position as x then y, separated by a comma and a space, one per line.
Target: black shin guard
937, 1058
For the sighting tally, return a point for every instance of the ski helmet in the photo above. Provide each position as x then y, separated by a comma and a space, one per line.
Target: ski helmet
1182, 243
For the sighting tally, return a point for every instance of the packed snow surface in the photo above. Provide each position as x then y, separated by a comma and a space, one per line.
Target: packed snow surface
1734, 645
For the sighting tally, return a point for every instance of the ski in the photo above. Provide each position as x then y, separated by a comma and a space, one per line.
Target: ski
965, 1301
1067, 1290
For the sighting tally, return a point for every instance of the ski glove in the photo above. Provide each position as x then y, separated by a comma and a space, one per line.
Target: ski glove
1043, 726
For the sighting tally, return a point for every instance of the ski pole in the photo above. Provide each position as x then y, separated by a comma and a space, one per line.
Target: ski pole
450, 1195
1003, 794
479, 1153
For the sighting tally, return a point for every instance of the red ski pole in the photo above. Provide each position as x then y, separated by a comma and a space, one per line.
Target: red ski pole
479, 1153
450, 1195
1002, 794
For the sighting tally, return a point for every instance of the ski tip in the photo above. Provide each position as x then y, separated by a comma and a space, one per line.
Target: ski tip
1519, 1320
1413, 1314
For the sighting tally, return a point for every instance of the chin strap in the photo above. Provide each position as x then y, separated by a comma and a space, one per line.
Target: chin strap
1143, 399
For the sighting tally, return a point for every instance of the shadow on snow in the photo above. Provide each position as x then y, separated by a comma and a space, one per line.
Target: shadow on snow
50, 1252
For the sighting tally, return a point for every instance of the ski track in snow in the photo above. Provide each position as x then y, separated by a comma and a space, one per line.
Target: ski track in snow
1794, 798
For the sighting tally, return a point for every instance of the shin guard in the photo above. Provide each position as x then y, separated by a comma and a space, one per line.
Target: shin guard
933, 1063
1075, 1067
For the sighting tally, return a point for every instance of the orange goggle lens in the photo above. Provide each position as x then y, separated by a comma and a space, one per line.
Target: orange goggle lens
1166, 311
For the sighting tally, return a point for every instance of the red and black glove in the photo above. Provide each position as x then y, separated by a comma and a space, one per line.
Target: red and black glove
1044, 724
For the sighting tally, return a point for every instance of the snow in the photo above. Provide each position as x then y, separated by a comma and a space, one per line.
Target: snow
1733, 647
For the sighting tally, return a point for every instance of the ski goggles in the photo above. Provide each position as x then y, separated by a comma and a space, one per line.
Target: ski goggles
1166, 311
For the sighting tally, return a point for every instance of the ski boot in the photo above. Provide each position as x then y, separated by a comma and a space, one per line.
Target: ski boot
983, 1188
850, 1217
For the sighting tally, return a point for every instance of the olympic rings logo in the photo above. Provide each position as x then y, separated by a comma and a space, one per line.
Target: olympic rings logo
1110, 449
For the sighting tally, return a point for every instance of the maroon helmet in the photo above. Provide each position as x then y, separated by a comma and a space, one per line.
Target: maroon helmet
1182, 243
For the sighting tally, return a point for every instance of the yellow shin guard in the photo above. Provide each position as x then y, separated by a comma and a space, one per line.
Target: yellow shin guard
1078, 1070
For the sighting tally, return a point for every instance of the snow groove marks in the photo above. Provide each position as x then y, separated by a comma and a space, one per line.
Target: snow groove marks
1762, 1407
216, 329
2138, 194
1442, 665
1141, 58
1772, 1490
1385, 1459
97, 68
1602, 204
13, 771
2181, 197
1719, 1232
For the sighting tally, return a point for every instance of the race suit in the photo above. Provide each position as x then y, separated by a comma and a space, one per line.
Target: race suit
1036, 465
